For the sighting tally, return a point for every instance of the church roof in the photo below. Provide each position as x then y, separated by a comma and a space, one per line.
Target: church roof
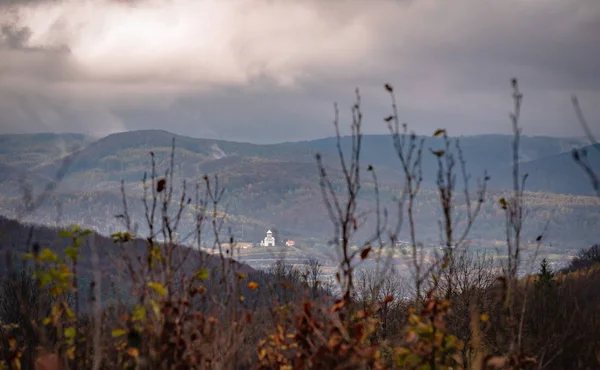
269, 232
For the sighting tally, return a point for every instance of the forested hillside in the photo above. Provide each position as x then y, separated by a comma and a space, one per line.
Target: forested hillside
277, 186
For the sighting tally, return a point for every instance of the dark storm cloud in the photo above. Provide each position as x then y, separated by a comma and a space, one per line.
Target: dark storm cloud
269, 71
13, 37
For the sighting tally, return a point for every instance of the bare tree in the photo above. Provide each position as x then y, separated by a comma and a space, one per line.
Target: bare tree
451, 237
313, 273
409, 150
343, 208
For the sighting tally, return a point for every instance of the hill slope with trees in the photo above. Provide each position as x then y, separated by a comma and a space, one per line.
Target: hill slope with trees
277, 186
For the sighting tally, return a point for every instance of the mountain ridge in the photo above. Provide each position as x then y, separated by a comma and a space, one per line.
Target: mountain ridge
277, 185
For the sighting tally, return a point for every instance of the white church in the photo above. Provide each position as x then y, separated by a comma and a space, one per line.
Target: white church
268, 241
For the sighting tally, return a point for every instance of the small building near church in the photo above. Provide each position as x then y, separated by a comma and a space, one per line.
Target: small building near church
290, 243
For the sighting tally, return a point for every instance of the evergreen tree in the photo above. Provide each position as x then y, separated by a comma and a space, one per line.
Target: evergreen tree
546, 275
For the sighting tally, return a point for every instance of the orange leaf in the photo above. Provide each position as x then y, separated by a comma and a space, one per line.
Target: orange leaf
496, 362
337, 305
429, 306
334, 340
133, 352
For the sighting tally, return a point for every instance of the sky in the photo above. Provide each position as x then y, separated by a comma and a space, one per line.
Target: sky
270, 70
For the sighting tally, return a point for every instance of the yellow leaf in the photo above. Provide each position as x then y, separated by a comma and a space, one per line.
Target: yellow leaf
139, 313
158, 288
70, 332
202, 274
252, 285
485, 317
70, 314
118, 333
155, 308
262, 354
48, 255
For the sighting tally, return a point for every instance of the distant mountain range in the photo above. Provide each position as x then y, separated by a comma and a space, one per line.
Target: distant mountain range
547, 160
276, 186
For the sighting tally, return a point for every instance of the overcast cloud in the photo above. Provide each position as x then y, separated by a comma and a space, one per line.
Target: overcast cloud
269, 70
